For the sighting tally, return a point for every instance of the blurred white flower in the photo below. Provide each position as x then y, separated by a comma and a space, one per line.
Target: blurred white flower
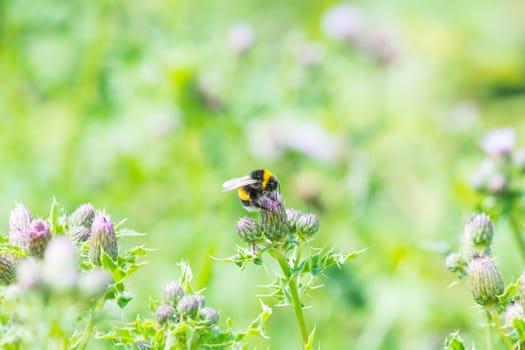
241, 37
499, 141
60, 264
271, 138
342, 22
29, 273
308, 54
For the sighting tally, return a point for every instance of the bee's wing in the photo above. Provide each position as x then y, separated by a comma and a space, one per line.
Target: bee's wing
237, 182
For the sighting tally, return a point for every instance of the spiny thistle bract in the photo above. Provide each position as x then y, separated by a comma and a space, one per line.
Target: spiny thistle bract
249, 230
479, 231
172, 293
7, 270
102, 238
273, 217
485, 281
19, 222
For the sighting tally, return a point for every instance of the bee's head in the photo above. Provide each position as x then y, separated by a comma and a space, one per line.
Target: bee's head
272, 185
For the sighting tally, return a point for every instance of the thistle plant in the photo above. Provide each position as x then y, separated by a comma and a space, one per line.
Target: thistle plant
57, 287
499, 181
182, 320
474, 261
285, 235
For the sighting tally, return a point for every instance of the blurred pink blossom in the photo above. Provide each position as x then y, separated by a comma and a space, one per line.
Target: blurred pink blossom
241, 37
499, 141
342, 22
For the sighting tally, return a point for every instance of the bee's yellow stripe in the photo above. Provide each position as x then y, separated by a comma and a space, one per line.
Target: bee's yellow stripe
266, 177
243, 195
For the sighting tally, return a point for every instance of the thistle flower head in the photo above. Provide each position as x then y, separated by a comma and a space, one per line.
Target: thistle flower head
19, 222
273, 217
514, 310
164, 313
499, 142
210, 315
38, 237
102, 238
172, 293
248, 230
82, 216
189, 305
484, 280
60, 264
308, 224
7, 271
479, 231
79, 234
293, 216
456, 263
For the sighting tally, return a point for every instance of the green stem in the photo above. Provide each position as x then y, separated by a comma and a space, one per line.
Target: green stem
490, 341
292, 284
499, 329
90, 325
516, 230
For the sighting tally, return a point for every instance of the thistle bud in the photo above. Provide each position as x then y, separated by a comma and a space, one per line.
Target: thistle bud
308, 224
514, 310
60, 264
38, 237
94, 283
189, 305
210, 315
79, 234
248, 230
164, 313
29, 273
293, 216
484, 280
479, 231
172, 293
7, 271
102, 238
273, 217
456, 263
83, 216
19, 222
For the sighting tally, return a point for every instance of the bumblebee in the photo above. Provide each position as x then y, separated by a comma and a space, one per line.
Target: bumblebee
251, 188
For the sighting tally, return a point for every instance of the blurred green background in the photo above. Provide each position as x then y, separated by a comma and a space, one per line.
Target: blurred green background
145, 107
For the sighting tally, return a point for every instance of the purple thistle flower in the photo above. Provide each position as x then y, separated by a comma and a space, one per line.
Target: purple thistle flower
273, 217
82, 216
164, 313
19, 222
172, 293
38, 237
308, 224
248, 230
210, 315
102, 238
